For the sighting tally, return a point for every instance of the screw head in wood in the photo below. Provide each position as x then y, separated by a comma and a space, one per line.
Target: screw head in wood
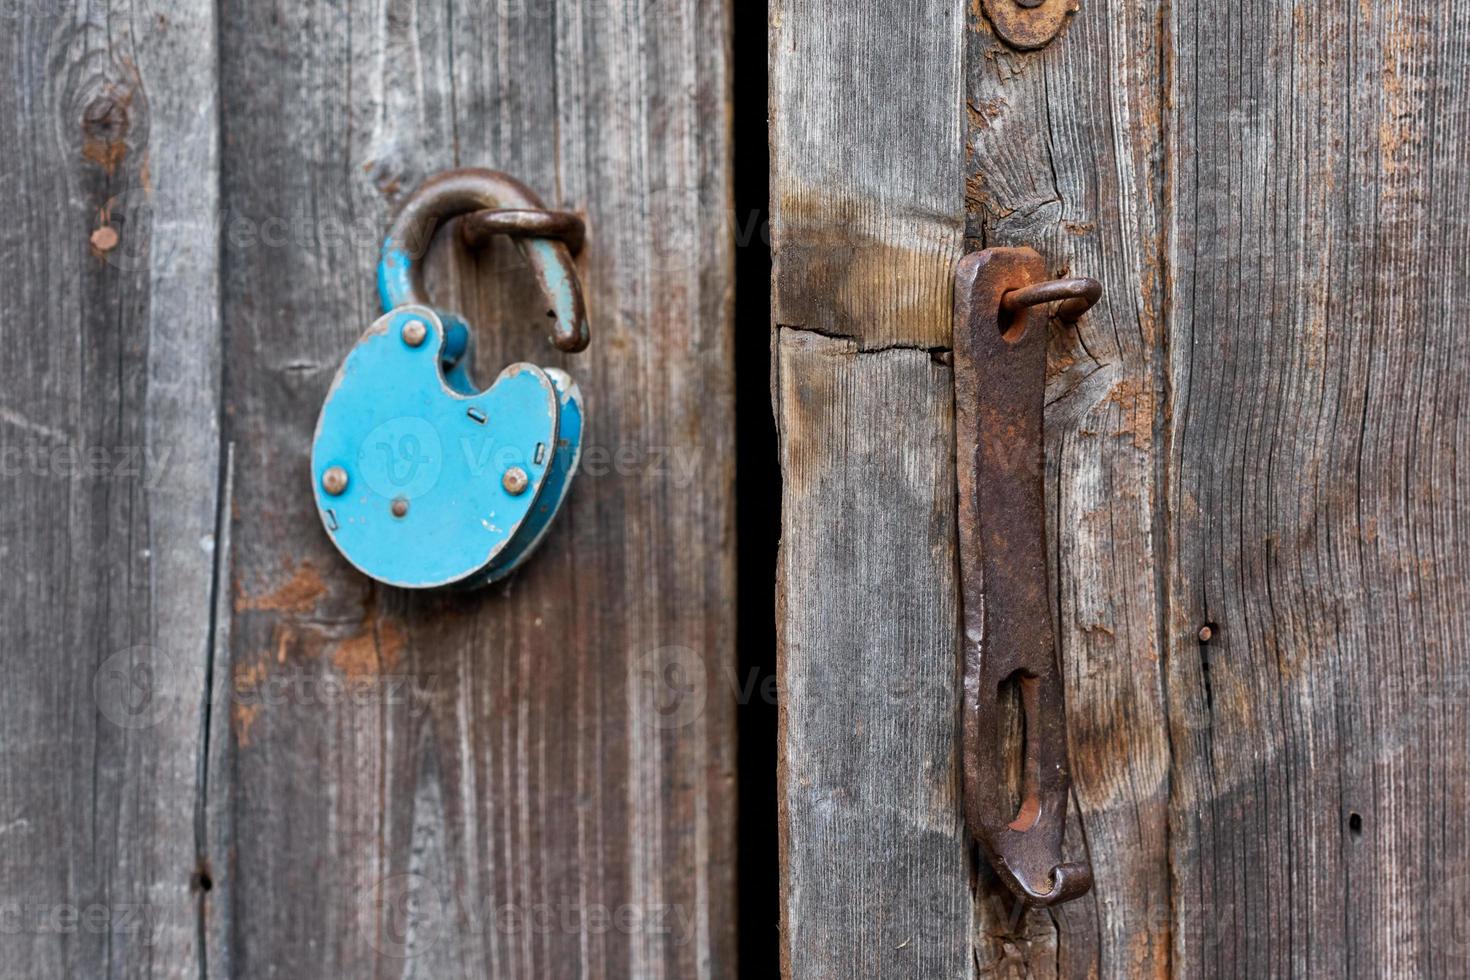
399, 507
515, 481
1206, 633
414, 332
334, 480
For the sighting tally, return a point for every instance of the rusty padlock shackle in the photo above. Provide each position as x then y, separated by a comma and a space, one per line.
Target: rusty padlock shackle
489, 203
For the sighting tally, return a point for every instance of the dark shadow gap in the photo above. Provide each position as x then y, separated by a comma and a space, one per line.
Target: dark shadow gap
758, 503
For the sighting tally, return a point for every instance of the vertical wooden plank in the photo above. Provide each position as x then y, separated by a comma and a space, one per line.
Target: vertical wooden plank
875, 869
1065, 155
1316, 502
867, 223
866, 214
1062, 153
539, 780
1256, 434
108, 467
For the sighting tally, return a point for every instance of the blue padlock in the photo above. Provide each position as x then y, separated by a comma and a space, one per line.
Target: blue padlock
423, 480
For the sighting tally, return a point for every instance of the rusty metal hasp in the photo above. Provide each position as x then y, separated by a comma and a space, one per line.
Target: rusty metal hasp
1000, 330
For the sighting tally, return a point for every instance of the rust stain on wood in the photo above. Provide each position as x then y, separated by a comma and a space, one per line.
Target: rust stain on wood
985, 111
298, 594
1059, 360
244, 682
371, 652
1400, 124
242, 720
1135, 398
106, 155
977, 22
105, 125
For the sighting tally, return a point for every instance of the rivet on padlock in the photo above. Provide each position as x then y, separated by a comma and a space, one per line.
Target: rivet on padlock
421, 479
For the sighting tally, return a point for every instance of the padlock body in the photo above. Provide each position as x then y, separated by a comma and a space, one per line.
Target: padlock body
558, 482
424, 483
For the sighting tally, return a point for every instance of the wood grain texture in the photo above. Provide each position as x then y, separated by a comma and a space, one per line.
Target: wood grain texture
875, 870
1317, 511
109, 455
1065, 155
540, 779
866, 216
1067, 174
1257, 431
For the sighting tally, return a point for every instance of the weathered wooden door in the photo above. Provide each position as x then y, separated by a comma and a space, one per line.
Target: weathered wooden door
223, 752
1257, 431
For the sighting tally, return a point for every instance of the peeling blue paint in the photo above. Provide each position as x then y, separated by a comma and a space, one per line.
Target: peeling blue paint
404, 433
558, 482
411, 429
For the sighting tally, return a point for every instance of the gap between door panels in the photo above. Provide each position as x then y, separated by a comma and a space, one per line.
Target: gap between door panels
757, 500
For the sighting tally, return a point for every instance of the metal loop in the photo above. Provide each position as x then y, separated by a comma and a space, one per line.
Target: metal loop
477, 228
471, 191
1077, 296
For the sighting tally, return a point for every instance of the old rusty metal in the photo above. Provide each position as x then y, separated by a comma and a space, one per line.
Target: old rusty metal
1000, 329
477, 228
1029, 24
1073, 297
472, 191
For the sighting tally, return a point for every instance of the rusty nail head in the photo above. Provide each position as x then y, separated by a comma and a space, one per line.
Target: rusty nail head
334, 481
515, 481
400, 507
1206, 633
414, 332
105, 239
1029, 24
